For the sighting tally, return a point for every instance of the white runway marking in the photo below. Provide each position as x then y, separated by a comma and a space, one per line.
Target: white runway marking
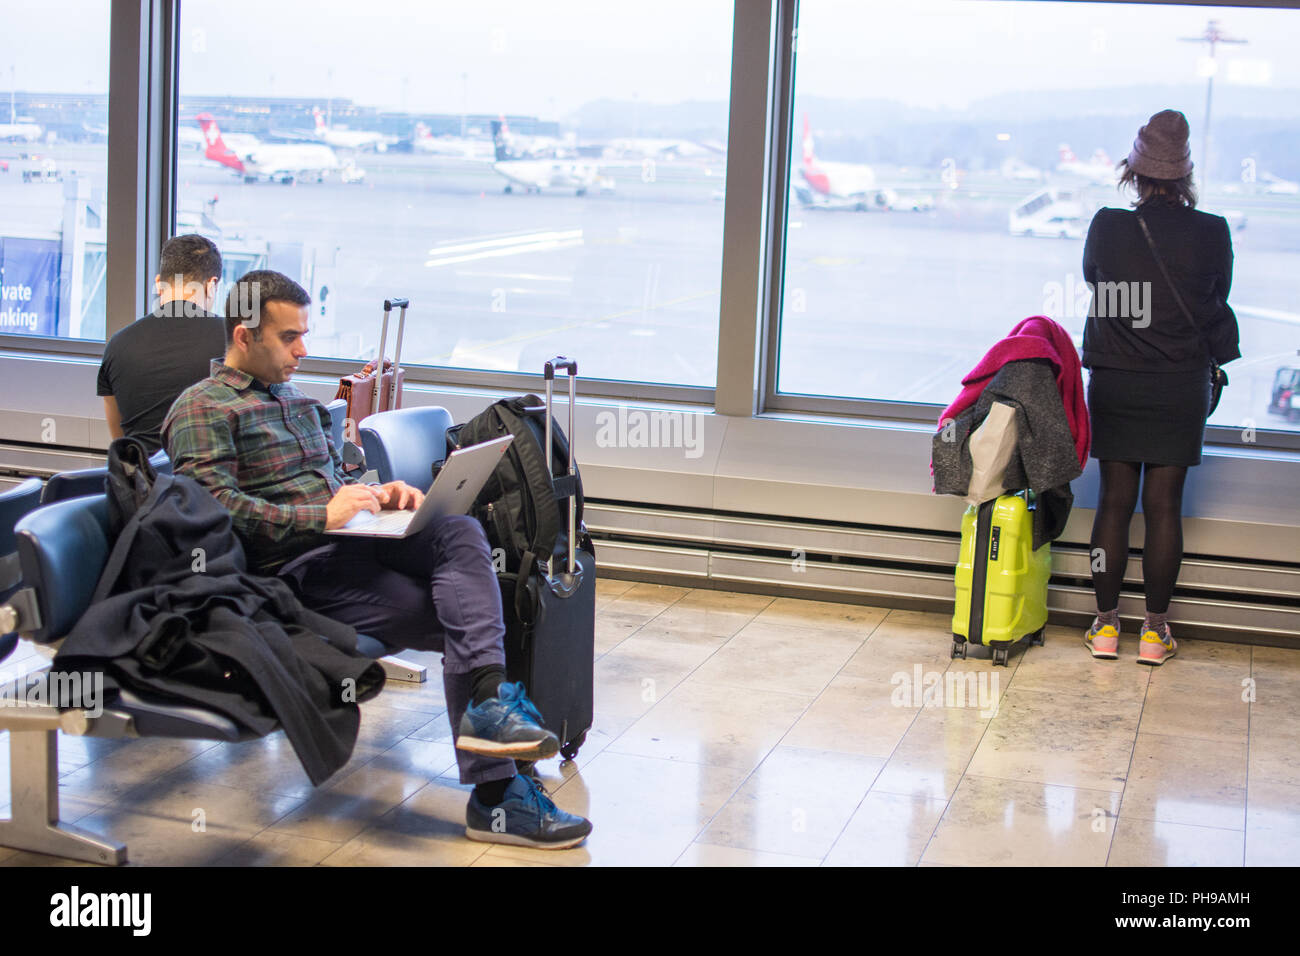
525, 276
531, 238
509, 251
1274, 315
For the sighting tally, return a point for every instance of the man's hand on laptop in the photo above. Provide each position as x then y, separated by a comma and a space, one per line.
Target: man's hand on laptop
347, 502
398, 496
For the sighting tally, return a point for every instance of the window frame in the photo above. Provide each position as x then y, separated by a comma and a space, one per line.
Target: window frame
144, 67
453, 376
913, 413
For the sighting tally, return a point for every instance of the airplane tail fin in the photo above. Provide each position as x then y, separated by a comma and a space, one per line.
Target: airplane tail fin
320, 119
499, 133
1101, 157
216, 149
1067, 154
808, 158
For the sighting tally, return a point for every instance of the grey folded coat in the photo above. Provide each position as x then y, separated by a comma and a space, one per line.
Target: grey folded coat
1045, 458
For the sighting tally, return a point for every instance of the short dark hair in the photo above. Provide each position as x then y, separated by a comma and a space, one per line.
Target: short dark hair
192, 258
252, 291
1181, 191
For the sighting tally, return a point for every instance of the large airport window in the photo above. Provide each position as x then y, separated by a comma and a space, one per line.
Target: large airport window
947, 158
53, 169
537, 178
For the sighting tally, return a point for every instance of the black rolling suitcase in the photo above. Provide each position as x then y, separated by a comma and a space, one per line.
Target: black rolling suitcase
531, 509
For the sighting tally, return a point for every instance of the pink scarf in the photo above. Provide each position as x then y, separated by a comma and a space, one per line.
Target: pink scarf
1036, 337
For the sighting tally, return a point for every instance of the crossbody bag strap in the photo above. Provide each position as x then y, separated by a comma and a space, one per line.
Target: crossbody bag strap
1187, 313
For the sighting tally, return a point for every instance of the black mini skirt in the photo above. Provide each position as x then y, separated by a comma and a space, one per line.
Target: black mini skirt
1157, 418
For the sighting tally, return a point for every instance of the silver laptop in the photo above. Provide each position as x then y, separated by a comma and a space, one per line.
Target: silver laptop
453, 492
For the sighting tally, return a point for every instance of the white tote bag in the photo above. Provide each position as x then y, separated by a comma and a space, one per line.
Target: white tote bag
991, 448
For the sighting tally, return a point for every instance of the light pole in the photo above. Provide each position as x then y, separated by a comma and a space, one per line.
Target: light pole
1213, 35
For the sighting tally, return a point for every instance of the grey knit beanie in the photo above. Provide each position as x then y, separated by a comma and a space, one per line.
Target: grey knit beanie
1160, 150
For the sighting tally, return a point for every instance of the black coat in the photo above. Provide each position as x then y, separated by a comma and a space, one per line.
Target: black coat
1197, 250
218, 638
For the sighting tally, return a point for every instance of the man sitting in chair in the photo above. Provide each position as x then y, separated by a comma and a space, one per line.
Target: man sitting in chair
262, 448
151, 361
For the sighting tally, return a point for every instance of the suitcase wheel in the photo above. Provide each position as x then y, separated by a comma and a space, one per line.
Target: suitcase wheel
1038, 636
570, 750
1000, 656
958, 647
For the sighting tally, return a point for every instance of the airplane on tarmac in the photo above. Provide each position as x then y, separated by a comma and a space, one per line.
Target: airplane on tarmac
661, 149
239, 143
1020, 171
534, 175
847, 185
425, 142
344, 138
24, 132
274, 162
190, 137
1276, 186
530, 147
1099, 169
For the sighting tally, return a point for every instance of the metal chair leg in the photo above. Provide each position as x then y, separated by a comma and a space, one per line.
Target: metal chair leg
33, 822
399, 670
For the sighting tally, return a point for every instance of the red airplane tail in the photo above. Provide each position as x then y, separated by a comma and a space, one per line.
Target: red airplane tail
216, 149
813, 174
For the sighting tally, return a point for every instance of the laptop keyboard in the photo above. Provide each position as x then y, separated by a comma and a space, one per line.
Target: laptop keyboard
384, 521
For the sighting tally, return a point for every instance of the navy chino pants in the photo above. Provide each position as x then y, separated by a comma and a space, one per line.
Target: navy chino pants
433, 591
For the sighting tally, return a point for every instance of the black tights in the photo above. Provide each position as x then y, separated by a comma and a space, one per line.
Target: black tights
1162, 553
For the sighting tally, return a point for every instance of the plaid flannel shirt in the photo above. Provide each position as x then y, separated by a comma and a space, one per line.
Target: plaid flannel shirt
265, 453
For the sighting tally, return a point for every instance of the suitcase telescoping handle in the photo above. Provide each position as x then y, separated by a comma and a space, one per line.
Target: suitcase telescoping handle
548, 372
393, 383
389, 305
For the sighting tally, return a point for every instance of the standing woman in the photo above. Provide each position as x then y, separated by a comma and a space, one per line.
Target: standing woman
1149, 391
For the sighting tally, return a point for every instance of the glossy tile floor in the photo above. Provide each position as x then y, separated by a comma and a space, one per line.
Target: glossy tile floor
735, 729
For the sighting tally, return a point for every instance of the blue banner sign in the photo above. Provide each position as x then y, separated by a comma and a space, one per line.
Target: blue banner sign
29, 286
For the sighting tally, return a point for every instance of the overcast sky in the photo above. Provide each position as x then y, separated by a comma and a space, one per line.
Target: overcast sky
547, 57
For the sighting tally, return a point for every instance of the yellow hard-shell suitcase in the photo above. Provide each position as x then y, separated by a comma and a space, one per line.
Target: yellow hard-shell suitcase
1001, 580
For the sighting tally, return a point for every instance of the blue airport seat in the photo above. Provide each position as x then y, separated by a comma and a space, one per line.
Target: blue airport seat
338, 411
403, 445
14, 503
90, 481
62, 549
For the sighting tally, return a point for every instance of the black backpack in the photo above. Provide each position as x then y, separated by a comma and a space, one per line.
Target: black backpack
523, 507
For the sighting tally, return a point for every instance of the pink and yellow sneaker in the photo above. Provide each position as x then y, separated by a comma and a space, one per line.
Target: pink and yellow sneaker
1102, 640
1154, 649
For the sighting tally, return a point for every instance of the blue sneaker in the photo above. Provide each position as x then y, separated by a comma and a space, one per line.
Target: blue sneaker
507, 725
526, 817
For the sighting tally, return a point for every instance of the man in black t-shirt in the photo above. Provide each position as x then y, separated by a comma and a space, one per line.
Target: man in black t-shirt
150, 362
